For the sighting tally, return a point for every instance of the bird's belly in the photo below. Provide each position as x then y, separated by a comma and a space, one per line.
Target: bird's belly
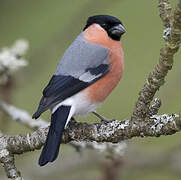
80, 103
83, 105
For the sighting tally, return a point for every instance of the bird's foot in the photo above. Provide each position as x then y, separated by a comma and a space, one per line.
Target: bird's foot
103, 119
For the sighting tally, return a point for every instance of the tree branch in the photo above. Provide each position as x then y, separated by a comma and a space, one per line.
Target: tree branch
11, 59
114, 131
165, 12
157, 77
25, 119
7, 160
22, 116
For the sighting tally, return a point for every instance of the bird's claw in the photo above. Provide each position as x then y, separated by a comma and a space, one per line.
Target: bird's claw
107, 120
102, 118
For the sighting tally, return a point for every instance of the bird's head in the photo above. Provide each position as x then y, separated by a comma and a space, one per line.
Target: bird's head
110, 24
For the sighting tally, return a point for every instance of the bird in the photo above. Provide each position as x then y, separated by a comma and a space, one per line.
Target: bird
88, 71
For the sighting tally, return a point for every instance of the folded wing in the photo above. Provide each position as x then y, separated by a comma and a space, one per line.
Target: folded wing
82, 64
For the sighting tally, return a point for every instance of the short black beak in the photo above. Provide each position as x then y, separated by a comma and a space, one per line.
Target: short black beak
117, 30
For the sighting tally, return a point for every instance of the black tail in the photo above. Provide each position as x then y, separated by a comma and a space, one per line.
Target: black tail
53, 141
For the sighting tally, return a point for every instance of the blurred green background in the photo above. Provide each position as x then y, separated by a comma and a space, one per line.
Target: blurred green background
50, 27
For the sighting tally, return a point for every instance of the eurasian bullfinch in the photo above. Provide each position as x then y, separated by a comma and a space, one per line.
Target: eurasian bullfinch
89, 70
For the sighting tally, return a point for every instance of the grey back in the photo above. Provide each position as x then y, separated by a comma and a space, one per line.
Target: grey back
81, 55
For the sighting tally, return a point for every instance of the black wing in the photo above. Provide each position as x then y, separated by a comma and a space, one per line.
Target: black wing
61, 87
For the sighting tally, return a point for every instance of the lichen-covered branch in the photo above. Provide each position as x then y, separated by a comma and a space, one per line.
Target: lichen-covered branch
22, 116
165, 12
7, 160
112, 150
156, 78
25, 119
154, 107
114, 131
11, 59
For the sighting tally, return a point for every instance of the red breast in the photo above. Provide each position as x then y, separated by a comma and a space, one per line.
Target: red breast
98, 91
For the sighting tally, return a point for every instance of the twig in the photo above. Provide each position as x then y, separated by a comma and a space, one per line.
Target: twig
111, 150
154, 108
22, 116
157, 77
7, 160
11, 59
165, 12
